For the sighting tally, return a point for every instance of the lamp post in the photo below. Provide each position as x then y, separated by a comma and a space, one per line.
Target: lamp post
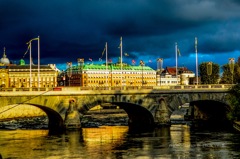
142, 64
64, 77
69, 71
30, 60
209, 70
159, 68
196, 50
80, 65
231, 66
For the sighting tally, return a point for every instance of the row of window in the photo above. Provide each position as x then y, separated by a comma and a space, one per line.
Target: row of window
169, 81
33, 74
33, 79
102, 81
139, 72
94, 77
27, 70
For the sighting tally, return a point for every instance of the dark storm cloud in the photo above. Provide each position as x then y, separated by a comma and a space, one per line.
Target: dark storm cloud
70, 29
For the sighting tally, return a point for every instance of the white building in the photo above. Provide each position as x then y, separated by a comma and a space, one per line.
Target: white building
169, 77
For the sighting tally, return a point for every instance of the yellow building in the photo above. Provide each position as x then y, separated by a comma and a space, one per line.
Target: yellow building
4, 62
98, 75
12, 75
20, 76
3, 77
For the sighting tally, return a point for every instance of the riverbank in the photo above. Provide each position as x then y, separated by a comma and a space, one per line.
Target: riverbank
106, 117
236, 125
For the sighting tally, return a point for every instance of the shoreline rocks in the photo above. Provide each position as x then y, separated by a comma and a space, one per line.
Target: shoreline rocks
91, 119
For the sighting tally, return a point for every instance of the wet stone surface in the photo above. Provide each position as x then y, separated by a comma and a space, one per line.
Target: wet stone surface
26, 123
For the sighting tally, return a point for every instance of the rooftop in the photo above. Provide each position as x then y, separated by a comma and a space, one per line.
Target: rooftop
113, 67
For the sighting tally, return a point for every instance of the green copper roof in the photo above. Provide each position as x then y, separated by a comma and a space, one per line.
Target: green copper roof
113, 67
21, 62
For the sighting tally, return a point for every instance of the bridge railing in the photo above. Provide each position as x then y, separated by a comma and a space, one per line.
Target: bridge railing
177, 87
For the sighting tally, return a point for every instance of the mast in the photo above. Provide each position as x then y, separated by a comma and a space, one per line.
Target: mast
106, 65
38, 62
196, 60
176, 61
121, 59
30, 63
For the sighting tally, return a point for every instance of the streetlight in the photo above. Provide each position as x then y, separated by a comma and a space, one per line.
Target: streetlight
209, 69
30, 60
231, 66
159, 67
64, 77
69, 70
142, 64
80, 65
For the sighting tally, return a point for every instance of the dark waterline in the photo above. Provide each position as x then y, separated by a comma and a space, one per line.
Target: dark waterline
117, 142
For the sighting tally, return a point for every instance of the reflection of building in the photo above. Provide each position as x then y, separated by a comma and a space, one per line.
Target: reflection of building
168, 76
98, 75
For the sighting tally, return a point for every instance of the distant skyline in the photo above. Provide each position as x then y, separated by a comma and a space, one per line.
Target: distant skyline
71, 29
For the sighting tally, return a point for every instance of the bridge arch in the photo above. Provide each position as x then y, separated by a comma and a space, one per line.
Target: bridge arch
155, 104
139, 116
55, 120
210, 110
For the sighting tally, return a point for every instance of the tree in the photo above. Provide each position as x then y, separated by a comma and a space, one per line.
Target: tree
209, 73
233, 97
228, 77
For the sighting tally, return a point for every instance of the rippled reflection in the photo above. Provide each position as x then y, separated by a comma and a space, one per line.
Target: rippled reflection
117, 142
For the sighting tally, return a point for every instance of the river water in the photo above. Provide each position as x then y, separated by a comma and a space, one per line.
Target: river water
117, 142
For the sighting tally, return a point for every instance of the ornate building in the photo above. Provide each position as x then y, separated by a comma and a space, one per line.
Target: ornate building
20, 76
112, 75
4, 61
3, 76
12, 75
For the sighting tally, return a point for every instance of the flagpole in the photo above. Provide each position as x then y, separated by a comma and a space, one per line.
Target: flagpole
196, 60
30, 61
176, 62
121, 59
38, 62
106, 65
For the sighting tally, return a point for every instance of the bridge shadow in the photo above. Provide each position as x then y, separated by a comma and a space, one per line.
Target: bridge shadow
139, 118
210, 114
55, 121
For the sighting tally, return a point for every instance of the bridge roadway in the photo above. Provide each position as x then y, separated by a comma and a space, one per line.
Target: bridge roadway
146, 107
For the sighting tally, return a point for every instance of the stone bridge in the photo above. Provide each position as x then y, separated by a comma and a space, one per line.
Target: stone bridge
145, 107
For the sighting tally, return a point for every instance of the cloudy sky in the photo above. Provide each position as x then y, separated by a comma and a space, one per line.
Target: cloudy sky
71, 29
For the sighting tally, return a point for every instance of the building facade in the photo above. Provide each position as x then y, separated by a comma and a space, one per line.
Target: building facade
112, 75
169, 76
4, 82
20, 75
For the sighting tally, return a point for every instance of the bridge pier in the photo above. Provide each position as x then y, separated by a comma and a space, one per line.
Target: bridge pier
161, 113
72, 117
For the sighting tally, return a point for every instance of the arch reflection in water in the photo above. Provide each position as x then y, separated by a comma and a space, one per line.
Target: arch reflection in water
104, 135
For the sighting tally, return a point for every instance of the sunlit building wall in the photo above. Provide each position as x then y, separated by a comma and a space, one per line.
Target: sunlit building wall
3, 76
19, 76
170, 77
98, 75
